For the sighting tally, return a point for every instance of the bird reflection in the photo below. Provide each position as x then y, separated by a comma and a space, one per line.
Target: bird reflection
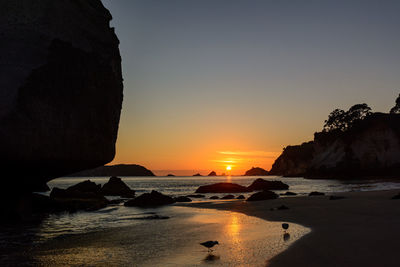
286, 237
211, 257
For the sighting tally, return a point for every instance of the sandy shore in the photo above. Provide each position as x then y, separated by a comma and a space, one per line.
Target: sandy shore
360, 230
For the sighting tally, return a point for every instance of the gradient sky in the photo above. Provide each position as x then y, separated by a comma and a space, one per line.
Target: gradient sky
211, 83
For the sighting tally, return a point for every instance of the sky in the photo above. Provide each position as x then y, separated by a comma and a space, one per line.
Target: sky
216, 83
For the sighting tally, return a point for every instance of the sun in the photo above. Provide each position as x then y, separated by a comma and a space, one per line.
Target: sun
228, 168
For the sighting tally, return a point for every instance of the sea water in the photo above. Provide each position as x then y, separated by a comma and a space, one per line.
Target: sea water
164, 236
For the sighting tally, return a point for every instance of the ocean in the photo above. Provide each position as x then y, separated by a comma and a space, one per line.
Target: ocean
164, 236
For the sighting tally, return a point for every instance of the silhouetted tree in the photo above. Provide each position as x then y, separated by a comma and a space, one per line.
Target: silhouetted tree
396, 108
343, 120
336, 121
356, 113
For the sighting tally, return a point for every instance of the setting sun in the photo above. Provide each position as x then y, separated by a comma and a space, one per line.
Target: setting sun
228, 168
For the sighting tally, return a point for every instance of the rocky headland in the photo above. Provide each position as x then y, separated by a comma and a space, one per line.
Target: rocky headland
369, 148
116, 170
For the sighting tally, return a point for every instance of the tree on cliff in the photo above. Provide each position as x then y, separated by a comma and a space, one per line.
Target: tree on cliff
396, 108
342, 120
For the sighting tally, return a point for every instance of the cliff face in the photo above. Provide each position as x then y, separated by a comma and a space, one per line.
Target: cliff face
294, 160
60, 89
371, 148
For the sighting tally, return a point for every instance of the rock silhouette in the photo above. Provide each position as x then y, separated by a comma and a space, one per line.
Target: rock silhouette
256, 171
263, 195
152, 199
116, 187
261, 184
61, 89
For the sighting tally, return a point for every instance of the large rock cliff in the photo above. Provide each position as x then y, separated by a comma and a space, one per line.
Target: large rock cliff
60, 89
371, 148
294, 160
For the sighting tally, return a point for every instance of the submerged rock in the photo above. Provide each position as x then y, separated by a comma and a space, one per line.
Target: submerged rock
214, 197
256, 171
222, 188
116, 187
197, 174
150, 200
263, 195
261, 184
240, 197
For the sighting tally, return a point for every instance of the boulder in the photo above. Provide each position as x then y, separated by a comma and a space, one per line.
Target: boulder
116, 187
240, 197
61, 90
263, 195
222, 188
213, 173
82, 196
228, 197
152, 199
182, 199
261, 184
256, 171
315, 193
85, 186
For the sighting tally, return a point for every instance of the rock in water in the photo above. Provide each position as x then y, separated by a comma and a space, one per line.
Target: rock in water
152, 199
261, 184
263, 195
116, 187
60, 89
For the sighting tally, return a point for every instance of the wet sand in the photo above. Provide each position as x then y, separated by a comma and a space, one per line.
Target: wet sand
244, 240
360, 230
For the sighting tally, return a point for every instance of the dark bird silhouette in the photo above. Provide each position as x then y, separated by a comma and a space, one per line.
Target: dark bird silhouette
209, 244
285, 226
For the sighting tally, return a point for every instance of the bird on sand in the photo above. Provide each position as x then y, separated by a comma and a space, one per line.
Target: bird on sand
285, 226
209, 244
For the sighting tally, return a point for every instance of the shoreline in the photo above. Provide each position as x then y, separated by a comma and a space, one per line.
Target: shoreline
359, 230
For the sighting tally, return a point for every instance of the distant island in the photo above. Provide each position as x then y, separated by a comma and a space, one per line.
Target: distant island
116, 170
353, 144
256, 171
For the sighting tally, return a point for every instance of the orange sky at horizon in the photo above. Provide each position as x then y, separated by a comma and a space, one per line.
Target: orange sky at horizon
214, 83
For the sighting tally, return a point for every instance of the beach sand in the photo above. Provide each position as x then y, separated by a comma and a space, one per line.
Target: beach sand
360, 230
